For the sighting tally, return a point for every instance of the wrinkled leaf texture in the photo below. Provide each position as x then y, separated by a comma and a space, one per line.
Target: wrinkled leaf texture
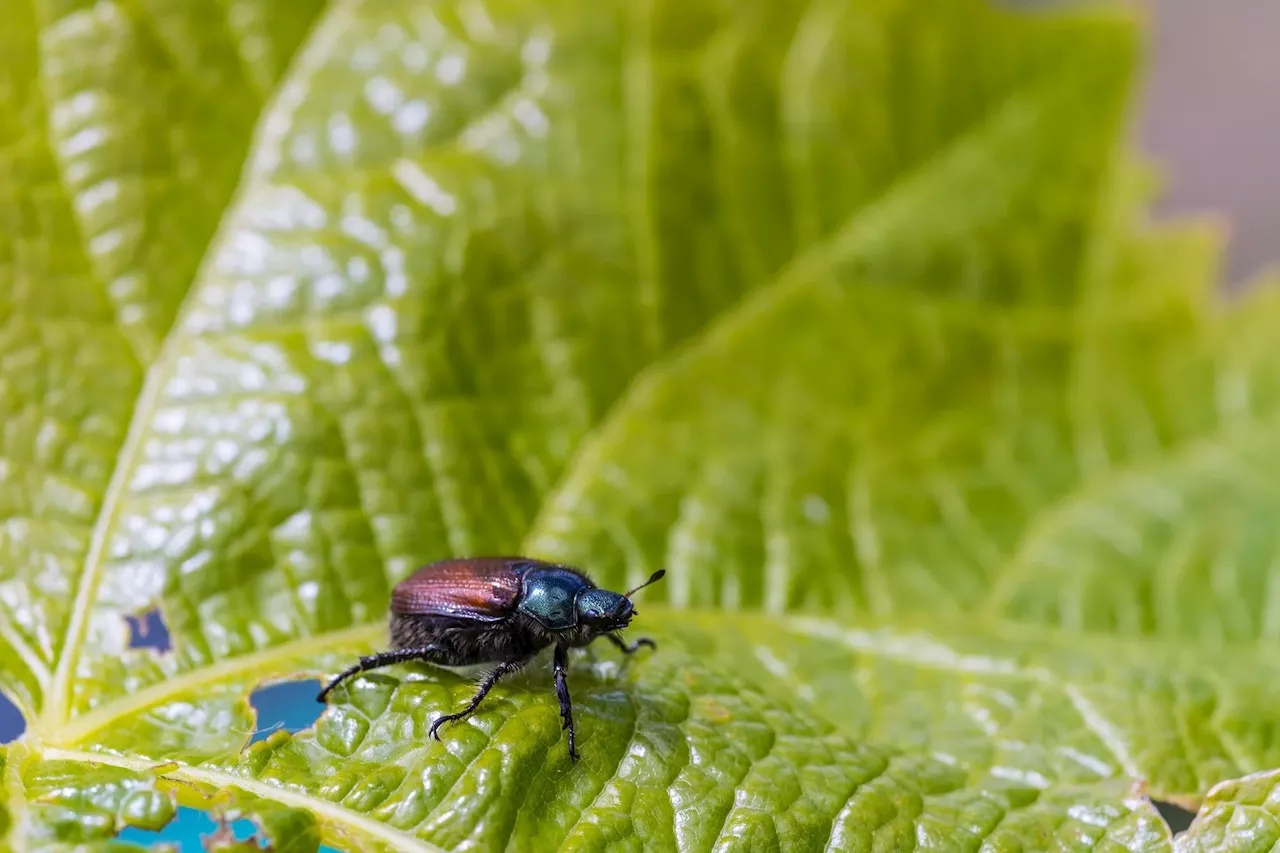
848, 314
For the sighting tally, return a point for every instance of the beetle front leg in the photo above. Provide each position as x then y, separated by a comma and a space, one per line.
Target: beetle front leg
634, 647
562, 693
485, 686
377, 662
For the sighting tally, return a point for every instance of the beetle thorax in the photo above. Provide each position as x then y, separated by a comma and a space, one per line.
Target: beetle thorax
550, 597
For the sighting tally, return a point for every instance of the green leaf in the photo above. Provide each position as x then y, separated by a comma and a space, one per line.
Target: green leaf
834, 310
676, 752
71, 803
122, 128
315, 412
910, 440
6, 819
1238, 815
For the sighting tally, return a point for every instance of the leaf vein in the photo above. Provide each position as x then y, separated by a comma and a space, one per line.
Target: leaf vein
325, 810
1058, 514
259, 663
58, 700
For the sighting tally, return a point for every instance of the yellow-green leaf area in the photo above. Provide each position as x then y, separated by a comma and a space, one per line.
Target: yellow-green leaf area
849, 316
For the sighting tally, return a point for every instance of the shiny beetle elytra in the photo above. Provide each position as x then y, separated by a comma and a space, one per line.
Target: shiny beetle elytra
501, 610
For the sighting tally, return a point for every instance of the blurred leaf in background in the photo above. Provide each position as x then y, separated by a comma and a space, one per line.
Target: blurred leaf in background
847, 314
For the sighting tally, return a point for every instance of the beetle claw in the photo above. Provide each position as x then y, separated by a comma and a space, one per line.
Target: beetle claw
447, 718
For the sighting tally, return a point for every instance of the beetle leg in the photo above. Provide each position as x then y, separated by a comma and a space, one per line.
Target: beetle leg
634, 647
485, 686
562, 693
377, 662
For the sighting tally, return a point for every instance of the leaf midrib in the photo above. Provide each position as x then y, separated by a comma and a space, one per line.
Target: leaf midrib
57, 688
58, 695
324, 810
80, 728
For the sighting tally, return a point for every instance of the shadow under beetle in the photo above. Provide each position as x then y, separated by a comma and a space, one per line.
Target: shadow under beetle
502, 610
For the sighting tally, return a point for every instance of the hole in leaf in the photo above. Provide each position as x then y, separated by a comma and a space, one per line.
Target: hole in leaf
186, 830
190, 828
12, 723
287, 705
1177, 817
149, 631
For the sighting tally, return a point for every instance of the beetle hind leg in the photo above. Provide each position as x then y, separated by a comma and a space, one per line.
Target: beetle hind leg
504, 668
377, 661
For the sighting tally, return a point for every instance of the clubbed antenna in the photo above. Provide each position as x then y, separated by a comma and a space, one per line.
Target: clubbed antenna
653, 578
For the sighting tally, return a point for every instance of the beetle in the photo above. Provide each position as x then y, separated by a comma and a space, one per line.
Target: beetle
504, 610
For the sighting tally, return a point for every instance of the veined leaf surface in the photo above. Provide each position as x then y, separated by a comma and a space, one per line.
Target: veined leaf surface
843, 313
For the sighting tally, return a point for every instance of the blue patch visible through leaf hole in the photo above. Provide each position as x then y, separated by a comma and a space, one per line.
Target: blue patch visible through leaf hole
149, 631
287, 705
12, 723
188, 827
